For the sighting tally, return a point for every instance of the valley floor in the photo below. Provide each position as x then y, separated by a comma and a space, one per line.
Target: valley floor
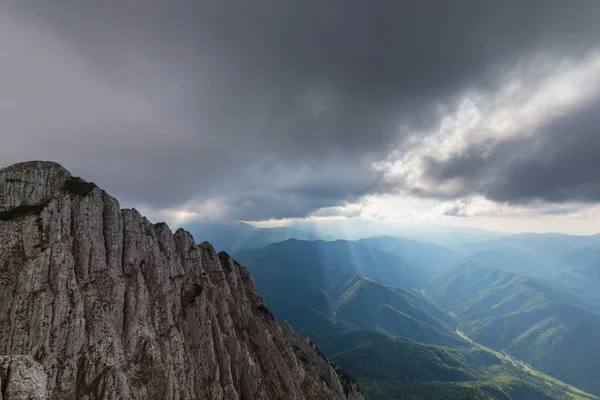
572, 391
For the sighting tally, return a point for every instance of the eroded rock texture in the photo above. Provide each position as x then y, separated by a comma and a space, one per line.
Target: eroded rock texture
114, 307
21, 378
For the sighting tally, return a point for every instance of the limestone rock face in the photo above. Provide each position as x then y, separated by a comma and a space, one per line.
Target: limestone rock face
30, 182
21, 378
104, 304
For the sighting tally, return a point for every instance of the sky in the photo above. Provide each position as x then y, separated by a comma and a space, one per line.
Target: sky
464, 113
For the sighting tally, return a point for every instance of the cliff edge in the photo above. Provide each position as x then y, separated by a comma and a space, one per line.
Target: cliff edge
98, 303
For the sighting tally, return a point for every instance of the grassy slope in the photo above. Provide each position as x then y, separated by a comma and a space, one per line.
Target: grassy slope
396, 311
354, 318
356, 302
528, 319
400, 359
317, 289
581, 276
401, 369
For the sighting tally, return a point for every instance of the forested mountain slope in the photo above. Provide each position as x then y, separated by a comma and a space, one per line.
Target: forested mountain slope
394, 339
317, 286
527, 318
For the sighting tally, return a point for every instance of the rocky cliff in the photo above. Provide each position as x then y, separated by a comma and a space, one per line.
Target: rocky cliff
98, 303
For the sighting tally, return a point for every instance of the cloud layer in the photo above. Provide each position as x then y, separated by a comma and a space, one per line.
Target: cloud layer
273, 109
534, 139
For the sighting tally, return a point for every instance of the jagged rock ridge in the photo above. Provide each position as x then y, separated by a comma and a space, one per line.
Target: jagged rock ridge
109, 306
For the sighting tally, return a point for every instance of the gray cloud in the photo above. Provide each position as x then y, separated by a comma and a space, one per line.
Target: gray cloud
456, 210
165, 102
559, 163
564, 166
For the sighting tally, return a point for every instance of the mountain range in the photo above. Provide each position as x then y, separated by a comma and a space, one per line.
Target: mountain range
98, 302
526, 318
233, 236
412, 319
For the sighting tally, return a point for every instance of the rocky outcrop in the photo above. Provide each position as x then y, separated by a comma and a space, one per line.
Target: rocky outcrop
112, 306
21, 378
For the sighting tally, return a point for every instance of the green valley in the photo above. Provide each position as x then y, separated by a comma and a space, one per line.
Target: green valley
408, 331
527, 319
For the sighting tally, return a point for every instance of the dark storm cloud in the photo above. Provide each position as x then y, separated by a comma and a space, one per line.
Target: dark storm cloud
559, 163
165, 102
